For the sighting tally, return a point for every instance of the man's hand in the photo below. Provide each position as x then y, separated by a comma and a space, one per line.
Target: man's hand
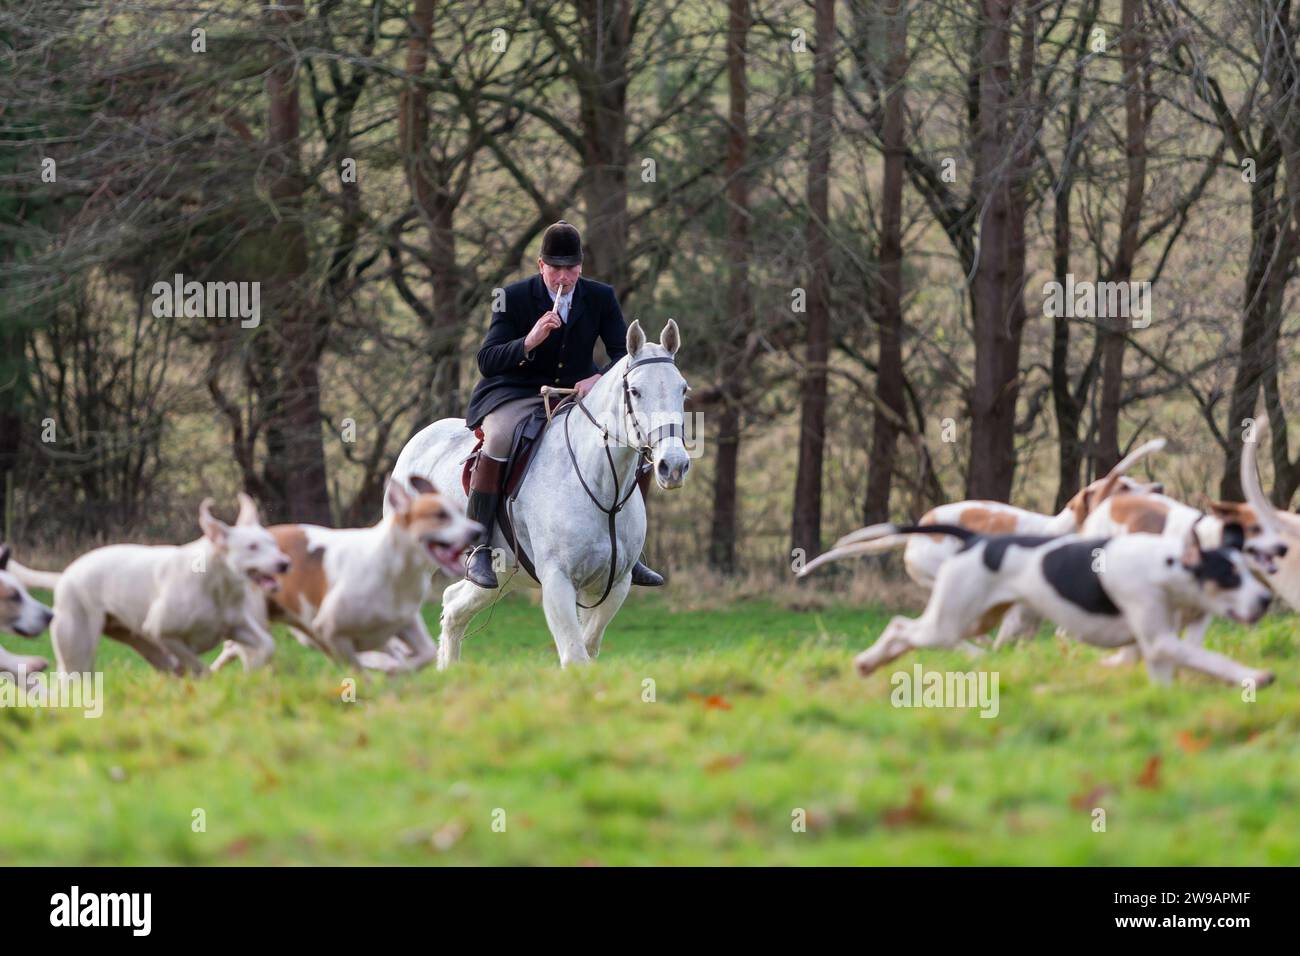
586, 385
547, 324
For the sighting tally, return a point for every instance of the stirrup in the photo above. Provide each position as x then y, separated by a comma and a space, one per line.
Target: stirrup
646, 577
475, 571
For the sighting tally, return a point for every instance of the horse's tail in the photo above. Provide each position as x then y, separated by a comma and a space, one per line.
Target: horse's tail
878, 538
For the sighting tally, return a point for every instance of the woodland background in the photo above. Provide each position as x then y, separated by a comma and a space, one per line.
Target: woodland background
910, 173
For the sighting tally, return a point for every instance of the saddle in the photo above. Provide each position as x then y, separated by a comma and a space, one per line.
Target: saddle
528, 432
527, 435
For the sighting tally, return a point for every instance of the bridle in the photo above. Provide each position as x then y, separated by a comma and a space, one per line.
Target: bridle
645, 446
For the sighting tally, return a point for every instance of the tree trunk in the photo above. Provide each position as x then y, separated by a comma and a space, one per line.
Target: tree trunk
298, 476
431, 194
13, 387
602, 111
807, 521
1265, 286
889, 318
1133, 51
722, 533
999, 274
1066, 401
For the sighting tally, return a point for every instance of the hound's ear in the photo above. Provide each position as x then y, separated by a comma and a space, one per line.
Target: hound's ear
1226, 510
671, 338
4, 556
1192, 548
1234, 536
397, 498
422, 486
1081, 504
635, 338
214, 529
247, 511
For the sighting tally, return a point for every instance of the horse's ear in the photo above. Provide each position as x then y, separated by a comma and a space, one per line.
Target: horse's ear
671, 338
635, 337
4, 556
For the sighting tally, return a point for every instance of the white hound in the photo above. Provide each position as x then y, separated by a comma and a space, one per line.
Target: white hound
169, 604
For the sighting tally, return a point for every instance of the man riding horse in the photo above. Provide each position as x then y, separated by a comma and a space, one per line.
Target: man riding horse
545, 336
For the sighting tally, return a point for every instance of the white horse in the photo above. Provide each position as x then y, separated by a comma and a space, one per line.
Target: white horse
561, 517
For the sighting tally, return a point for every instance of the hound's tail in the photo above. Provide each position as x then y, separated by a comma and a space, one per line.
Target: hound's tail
1250, 483
1123, 465
30, 578
1136, 455
882, 537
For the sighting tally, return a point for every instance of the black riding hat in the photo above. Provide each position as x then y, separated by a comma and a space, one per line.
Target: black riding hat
561, 245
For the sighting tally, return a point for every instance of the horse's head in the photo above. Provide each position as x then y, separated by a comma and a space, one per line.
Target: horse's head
654, 392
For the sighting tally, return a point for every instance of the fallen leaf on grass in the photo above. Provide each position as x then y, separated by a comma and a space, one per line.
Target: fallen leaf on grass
914, 811
1090, 799
1191, 743
1149, 778
711, 701
238, 847
267, 779
724, 762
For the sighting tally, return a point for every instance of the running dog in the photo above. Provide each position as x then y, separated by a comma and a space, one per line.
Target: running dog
1107, 592
925, 554
355, 593
170, 604
1265, 535
20, 613
1285, 578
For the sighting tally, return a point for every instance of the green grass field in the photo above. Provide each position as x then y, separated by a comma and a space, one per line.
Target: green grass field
757, 715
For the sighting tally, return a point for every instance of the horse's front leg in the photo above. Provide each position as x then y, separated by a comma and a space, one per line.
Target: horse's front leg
597, 619
560, 601
460, 602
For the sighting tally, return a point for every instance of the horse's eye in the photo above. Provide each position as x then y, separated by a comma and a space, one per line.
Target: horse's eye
253, 546
636, 393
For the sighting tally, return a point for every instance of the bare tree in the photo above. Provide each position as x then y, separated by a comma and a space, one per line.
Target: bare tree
889, 313
807, 522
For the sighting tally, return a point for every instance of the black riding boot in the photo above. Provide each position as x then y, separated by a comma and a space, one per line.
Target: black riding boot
484, 495
642, 574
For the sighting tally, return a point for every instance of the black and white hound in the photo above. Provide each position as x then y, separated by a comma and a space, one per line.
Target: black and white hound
1107, 592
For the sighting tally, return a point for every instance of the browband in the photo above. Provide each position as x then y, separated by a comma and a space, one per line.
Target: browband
651, 361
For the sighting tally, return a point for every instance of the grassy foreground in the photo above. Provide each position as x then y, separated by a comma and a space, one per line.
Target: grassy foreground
756, 717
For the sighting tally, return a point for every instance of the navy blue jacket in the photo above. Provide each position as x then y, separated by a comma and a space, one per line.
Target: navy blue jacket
561, 361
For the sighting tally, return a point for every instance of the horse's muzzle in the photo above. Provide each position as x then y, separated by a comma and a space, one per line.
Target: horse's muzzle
671, 471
